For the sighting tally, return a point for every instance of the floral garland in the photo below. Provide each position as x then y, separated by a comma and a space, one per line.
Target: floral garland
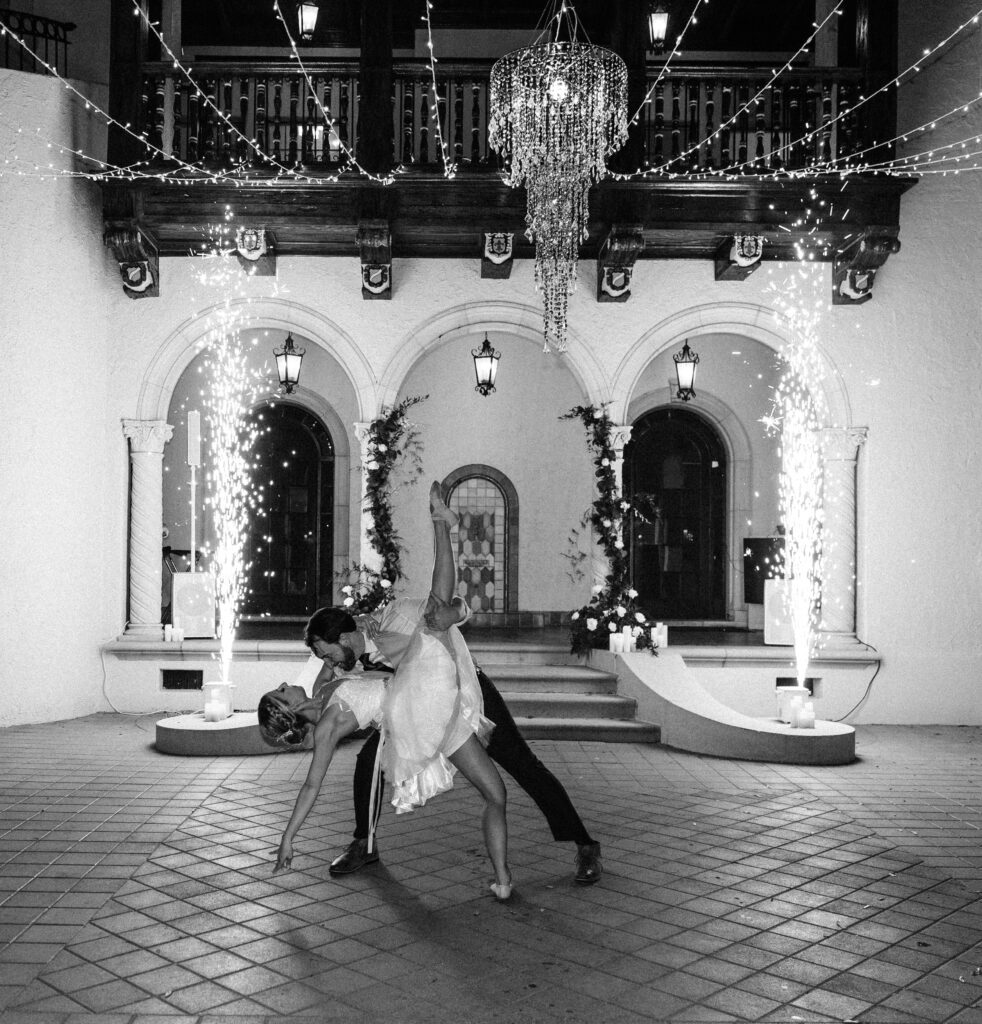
390, 437
612, 606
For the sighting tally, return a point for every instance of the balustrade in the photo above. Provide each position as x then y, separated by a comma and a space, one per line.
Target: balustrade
46, 37
697, 118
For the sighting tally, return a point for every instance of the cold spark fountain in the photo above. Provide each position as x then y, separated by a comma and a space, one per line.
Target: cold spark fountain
233, 387
799, 414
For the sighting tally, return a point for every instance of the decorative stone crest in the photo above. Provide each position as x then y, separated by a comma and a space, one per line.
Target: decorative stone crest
496, 256
854, 269
738, 257
254, 251
615, 262
138, 263
375, 247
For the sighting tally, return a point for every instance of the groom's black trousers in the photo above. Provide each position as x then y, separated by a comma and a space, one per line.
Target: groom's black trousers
510, 750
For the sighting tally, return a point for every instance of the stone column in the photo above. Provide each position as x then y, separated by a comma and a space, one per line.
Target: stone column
840, 452
147, 439
619, 436
367, 555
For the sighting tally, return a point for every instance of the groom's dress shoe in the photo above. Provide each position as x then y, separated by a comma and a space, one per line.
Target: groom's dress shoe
589, 867
354, 858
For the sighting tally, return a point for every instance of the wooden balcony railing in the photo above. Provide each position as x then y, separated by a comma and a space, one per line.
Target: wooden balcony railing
278, 108
47, 38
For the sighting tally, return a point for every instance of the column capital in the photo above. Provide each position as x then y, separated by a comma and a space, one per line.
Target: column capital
620, 434
148, 436
842, 444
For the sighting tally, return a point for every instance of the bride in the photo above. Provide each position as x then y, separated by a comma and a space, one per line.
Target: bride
430, 712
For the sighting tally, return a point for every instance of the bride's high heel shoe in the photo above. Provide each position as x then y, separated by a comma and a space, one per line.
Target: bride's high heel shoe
501, 890
439, 511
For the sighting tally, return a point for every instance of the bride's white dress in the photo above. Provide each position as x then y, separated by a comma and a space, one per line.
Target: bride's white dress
432, 705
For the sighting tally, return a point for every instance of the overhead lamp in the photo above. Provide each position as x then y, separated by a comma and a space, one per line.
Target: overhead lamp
288, 360
686, 362
657, 26
307, 11
485, 367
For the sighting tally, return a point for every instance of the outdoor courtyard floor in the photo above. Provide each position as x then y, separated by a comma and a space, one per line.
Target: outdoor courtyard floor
137, 887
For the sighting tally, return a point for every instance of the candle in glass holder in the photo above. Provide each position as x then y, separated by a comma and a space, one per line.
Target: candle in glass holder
214, 710
617, 643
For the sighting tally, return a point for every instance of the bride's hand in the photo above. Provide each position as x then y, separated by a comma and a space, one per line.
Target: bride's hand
284, 856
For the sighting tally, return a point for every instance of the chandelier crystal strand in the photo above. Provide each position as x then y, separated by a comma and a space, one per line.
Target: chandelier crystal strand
558, 110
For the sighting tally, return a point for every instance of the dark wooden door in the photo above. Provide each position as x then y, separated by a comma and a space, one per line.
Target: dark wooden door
675, 477
290, 542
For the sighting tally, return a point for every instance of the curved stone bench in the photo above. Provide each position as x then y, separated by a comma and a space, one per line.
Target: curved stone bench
692, 719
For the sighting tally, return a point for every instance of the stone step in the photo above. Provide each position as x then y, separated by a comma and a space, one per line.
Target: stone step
558, 704
601, 730
486, 652
547, 678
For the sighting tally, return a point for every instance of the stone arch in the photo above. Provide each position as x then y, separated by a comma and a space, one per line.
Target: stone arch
513, 318
504, 484
182, 345
739, 485
749, 320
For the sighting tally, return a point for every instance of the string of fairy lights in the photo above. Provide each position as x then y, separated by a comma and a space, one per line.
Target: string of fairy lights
954, 157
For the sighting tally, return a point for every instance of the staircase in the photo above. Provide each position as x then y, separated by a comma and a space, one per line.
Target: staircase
553, 696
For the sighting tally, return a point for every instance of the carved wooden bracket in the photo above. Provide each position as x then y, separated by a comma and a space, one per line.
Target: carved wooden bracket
496, 255
255, 251
738, 257
854, 268
136, 255
615, 262
375, 246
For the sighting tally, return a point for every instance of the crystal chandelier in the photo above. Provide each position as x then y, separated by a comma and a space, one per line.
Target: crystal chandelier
558, 110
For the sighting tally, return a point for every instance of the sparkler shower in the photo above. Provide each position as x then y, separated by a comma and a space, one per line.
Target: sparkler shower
233, 386
799, 412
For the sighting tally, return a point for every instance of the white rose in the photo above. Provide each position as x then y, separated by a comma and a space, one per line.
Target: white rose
347, 590
632, 594
605, 462
598, 414
348, 602
384, 584
382, 447
618, 543
597, 587
607, 523
639, 617
575, 616
621, 611
372, 465
637, 631
612, 626
625, 505
591, 624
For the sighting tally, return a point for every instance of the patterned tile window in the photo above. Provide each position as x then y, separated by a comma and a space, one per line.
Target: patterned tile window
481, 539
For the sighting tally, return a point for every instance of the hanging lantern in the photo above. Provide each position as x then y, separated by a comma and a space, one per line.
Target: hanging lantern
288, 360
657, 26
685, 370
485, 367
307, 16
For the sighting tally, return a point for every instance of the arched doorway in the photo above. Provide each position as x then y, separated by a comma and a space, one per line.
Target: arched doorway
675, 477
487, 538
290, 545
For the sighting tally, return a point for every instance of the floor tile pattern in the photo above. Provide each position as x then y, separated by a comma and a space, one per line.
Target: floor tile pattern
137, 888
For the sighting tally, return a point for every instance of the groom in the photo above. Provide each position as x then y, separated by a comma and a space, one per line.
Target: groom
380, 640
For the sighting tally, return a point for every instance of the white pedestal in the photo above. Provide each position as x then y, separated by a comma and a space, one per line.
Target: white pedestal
777, 617
193, 603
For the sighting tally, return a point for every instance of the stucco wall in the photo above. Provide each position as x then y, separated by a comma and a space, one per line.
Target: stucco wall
59, 473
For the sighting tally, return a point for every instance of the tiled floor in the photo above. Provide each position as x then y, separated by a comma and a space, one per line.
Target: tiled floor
136, 887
